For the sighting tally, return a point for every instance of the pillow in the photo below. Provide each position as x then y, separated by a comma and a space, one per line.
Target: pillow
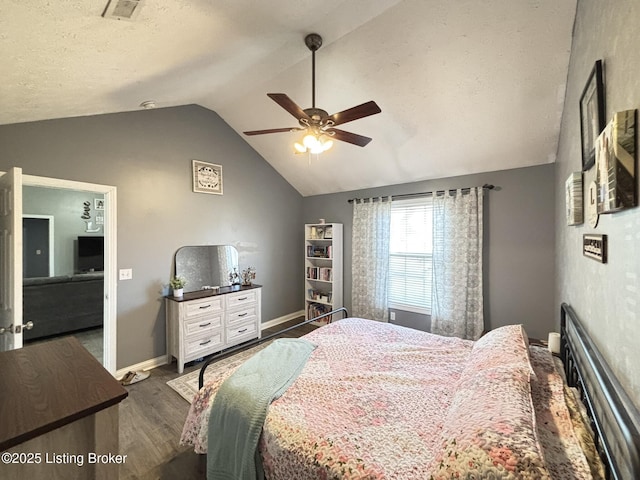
489, 430
508, 345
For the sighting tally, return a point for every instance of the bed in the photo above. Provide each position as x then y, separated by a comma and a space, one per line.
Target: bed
376, 400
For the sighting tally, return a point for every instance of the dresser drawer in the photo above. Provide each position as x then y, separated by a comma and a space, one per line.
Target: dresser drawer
241, 314
241, 298
200, 346
203, 306
202, 325
242, 331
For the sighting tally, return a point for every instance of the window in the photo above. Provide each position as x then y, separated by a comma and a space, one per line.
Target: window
410, 255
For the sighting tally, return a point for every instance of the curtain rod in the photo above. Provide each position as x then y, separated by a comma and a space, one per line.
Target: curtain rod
486, 186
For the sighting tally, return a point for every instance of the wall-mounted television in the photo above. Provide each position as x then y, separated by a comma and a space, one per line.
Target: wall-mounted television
90, 254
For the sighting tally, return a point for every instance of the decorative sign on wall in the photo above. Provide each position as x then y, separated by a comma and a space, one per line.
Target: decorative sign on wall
592, 205
573, 192
595, 246
207, 177
615, 163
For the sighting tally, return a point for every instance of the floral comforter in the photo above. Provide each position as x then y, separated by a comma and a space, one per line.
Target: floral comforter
378, 401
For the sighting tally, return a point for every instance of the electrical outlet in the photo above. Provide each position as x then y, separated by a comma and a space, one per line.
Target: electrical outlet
126, 274
392, 315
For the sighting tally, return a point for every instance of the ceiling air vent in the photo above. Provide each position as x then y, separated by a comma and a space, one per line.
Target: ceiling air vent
122, 9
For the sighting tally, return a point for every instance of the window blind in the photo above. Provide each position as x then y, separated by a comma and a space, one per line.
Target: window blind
410, 257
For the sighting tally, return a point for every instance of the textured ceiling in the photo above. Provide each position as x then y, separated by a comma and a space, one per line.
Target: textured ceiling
465, 86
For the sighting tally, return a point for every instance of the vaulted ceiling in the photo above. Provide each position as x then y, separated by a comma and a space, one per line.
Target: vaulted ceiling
465, 86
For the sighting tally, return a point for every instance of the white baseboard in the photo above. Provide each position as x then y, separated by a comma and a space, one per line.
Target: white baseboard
279, 320
146, 365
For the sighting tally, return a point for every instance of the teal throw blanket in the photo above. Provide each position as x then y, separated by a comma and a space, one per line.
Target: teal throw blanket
240, 408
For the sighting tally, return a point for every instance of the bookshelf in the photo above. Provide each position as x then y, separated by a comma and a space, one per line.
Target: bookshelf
323, 268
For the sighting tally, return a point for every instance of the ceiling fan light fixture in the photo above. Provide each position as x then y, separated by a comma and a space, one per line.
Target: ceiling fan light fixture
316, 149
310, 141
316, 122
313, 143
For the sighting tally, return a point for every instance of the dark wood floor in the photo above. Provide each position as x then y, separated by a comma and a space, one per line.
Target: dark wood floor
151, 420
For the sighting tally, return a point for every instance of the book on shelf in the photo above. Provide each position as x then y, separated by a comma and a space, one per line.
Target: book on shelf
320, 273
318, 295
316, 309
316, 251
326, 274
312, 273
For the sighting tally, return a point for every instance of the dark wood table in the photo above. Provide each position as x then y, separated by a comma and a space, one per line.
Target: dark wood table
55, 399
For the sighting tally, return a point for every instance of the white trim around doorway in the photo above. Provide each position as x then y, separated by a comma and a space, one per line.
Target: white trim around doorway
110, 255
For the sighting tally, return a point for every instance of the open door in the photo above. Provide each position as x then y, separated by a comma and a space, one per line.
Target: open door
11, 260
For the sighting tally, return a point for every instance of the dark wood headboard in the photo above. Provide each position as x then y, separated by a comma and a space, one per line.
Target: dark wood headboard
614, 418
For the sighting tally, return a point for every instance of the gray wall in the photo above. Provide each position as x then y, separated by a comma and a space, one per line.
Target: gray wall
606, 297
518, 242
147, 156
65, 206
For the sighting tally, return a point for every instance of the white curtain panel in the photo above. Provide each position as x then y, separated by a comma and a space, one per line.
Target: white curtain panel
457, 265
370, 258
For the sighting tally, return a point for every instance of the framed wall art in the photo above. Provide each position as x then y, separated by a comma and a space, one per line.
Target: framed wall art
616, 163
591, 115
573, 192
207, 177
595, 247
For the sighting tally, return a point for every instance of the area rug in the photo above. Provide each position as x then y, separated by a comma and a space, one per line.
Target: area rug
187, 385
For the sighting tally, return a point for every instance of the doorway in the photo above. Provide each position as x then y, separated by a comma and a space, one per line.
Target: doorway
38, 246
102, 222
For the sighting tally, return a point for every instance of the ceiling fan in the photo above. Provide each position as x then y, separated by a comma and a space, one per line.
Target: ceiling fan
319, 125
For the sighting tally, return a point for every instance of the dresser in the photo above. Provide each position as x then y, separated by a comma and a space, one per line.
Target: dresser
205, 322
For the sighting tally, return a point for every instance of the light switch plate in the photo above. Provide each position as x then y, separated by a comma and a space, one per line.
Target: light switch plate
126, 274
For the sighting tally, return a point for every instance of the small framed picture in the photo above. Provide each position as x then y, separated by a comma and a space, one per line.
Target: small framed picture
573, 194
98, 203
100, 219
207, 177
328, 232
592, 120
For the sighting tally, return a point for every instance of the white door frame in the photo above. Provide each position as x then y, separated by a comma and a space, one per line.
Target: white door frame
11, 268
52, 237
110, 255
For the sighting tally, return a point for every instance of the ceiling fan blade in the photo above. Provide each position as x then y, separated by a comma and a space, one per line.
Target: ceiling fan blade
354, 113
289, 105
272, 130
349, 137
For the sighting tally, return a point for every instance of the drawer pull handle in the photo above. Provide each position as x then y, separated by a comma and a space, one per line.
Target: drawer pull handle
243, 314
243, 330
204, 325
204, 343
243, 298
205, 306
